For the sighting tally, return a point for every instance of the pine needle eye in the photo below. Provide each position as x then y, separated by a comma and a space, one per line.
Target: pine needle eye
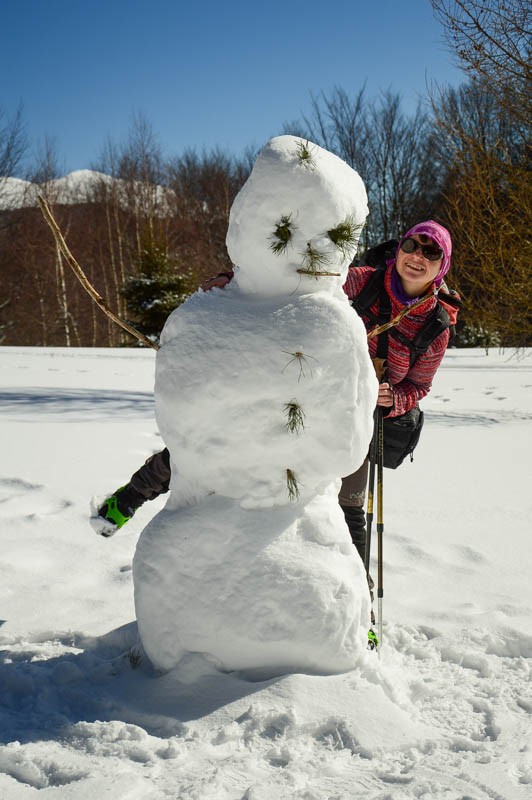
304, 154
345, 236
282, 234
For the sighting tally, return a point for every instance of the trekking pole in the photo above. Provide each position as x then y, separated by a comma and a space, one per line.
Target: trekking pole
371, 489
380, 521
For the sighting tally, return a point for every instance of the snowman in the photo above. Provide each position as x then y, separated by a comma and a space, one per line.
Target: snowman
264, 396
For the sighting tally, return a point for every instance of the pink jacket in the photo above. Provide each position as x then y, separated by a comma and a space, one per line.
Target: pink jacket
410, 384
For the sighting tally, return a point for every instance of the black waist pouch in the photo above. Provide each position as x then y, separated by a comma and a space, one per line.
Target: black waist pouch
401, 435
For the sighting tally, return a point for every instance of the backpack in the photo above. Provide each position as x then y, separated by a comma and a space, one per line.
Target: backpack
401, 434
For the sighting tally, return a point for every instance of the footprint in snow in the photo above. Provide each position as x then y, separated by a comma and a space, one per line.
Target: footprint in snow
22, 499
470, 554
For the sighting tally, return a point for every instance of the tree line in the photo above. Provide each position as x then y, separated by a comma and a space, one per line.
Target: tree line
151, 228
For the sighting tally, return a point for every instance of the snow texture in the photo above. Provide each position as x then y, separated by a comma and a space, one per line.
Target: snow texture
251, 562
443, 714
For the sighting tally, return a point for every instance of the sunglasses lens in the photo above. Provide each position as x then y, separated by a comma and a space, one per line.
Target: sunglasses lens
408, 245
431, 251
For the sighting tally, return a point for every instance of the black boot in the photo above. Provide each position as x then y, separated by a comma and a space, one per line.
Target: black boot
356, 522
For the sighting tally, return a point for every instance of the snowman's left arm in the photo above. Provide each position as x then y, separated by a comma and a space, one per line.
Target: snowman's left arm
218, 281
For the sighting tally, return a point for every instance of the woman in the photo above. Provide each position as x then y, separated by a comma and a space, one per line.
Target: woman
411, 284
422, 260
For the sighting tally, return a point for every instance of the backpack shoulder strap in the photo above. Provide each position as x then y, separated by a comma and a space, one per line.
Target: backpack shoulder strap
436, 324
372, 291
450, 296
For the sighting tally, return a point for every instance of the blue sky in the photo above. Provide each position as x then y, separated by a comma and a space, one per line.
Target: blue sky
205, 74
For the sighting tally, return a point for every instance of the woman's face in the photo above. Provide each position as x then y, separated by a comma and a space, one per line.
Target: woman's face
415, 271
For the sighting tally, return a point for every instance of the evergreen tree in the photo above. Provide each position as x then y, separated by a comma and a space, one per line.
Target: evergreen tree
159, 286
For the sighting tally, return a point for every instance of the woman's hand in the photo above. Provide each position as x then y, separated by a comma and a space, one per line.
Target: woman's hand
385, 397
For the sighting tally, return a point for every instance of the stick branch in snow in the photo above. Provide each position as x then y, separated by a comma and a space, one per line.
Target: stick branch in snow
87, 285
295, 416
292, 486
301, 359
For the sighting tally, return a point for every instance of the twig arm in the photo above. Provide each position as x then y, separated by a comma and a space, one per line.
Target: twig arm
87, 285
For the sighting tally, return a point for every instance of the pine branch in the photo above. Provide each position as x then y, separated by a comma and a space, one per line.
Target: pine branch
304, 154
295, 417
292, 485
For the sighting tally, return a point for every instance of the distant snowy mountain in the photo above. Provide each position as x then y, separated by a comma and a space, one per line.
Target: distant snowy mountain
14, 193
76, 187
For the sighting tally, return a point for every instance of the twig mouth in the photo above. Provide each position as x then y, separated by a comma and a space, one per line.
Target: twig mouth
319, 273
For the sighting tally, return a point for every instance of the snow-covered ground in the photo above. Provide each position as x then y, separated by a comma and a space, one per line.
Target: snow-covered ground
444, 713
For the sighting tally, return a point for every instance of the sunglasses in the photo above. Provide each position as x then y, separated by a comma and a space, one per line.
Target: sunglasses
430, 251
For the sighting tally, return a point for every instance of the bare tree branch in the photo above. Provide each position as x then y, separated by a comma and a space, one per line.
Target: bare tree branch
63, 247
491, 38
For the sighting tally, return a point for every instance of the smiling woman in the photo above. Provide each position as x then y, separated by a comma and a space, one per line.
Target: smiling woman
423, 257
417, 264
420, 260
409, 296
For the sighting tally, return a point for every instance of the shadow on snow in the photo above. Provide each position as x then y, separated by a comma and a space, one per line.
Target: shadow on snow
42, 698
75, 403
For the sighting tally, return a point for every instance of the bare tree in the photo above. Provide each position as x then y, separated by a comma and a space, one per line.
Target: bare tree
3, 325
491, 39
140, 168
108, 193
403, 174
13, 143
337, 123
203, 189
395, 154
134, 201
44, 172
45, 166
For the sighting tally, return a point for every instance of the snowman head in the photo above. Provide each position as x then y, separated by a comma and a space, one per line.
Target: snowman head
295, 224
